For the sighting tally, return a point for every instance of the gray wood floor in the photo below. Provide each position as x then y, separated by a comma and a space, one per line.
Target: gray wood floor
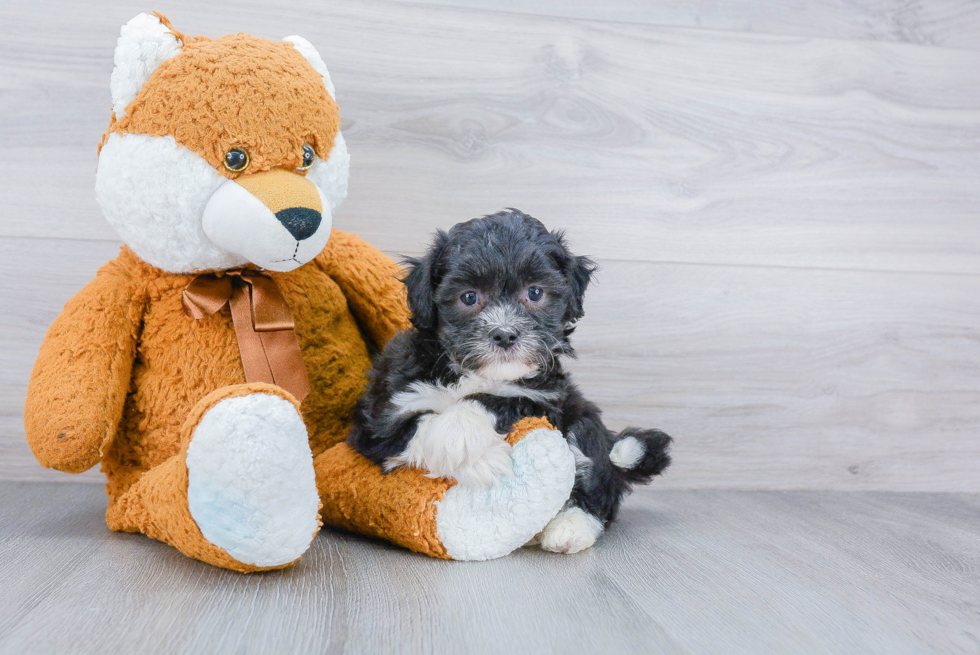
683, 571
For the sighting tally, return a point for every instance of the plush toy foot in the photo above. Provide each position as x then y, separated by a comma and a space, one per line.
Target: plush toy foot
489, 522
573, 530
250, 482
440, 519
241, 494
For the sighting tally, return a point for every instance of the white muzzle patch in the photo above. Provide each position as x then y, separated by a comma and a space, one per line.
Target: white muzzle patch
177, 213
238, 222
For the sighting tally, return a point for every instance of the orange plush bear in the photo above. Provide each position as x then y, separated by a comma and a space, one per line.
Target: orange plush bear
212, 367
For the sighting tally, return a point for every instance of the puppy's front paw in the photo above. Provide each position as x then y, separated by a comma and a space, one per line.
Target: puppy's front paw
495, 462
573, 530
462, 443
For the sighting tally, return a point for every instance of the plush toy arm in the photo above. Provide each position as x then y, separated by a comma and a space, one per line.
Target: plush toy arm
81, 376
370, 281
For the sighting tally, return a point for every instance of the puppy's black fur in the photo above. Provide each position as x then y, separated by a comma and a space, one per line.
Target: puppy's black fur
499, 260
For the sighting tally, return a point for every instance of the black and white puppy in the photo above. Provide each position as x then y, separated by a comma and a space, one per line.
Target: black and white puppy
493, 303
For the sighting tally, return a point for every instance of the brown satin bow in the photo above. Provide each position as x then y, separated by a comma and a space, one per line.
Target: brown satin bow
263, 324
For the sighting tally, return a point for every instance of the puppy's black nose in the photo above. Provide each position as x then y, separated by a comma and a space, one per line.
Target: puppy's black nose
300, 221
504, 337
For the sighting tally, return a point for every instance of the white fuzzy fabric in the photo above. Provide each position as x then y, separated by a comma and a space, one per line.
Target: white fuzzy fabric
331, 175
309, 53
251, 488
627, 452
573, 530
488, 522
153, 192
461, 443
426, 397
239, 223
144, 43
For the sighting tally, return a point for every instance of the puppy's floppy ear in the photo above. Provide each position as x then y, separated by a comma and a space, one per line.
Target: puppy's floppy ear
579, 273
422, 281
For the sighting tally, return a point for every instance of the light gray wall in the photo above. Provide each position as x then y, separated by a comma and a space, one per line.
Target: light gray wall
784, 198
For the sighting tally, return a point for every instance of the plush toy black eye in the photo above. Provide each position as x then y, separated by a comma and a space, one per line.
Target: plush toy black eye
469, 298
236, 160
309, 156
534, 294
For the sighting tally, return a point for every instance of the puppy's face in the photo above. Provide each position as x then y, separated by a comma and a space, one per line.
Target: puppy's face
500, 293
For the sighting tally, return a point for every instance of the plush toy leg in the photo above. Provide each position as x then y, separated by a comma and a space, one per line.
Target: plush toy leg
241, 493
440, 519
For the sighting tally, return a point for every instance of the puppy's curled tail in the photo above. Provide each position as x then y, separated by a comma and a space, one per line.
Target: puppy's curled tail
640, 454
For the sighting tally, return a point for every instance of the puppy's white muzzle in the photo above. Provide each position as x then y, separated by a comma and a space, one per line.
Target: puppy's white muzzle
276, 219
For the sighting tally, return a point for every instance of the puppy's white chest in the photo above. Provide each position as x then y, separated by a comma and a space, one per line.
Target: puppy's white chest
457, 436
458, 441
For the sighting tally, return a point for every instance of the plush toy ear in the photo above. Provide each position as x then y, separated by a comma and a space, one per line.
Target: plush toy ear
144, 43
421, 283
309, 53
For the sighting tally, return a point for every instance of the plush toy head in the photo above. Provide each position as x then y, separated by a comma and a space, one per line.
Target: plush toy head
220, 152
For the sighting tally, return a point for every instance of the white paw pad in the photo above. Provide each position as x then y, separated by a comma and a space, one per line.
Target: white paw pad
573, 530
251, 488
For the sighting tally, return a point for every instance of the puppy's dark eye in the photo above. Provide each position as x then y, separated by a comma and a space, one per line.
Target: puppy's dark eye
309, 156
236, 160
469, 298
534, 294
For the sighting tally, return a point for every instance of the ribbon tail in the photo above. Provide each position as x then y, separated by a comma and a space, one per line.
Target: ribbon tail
254, 360
283, 353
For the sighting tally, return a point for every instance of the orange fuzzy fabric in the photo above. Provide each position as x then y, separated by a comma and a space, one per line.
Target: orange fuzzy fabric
122, 368
237, 91
399, 506
156, 504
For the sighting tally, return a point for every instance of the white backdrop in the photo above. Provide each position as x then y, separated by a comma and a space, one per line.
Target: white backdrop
785, 204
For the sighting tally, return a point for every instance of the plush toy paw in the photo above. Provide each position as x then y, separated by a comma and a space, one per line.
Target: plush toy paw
251, 488
461, 444
573, 530
488, 522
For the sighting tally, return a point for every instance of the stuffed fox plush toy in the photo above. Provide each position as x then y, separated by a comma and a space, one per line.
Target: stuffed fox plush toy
212, 367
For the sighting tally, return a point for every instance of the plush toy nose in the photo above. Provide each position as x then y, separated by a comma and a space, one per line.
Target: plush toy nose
301, 222
293, 199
